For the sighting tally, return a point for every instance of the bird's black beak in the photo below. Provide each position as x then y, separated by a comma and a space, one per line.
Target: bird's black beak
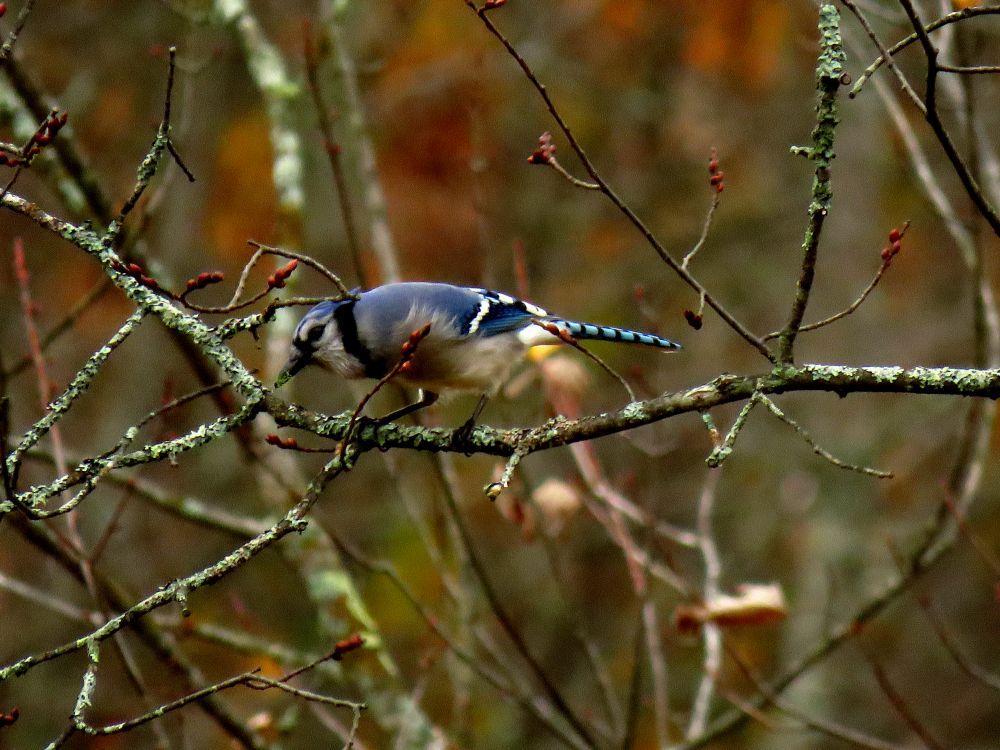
295, 363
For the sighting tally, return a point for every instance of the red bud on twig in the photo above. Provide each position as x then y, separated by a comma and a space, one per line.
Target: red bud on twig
279, 277
891, 250
277, 441
545, 152
351, 643
716, 175
693, 319
204, 279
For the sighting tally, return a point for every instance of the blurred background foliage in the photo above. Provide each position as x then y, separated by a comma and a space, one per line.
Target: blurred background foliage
649, 88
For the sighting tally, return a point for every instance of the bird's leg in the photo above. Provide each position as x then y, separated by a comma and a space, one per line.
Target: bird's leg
464, 433
424, 399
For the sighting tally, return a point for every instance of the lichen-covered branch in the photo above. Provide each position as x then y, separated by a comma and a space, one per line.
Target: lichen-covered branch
181, 588
77, 387
829, 69
839, 379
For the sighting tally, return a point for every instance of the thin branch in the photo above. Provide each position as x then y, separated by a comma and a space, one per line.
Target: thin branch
149, 165
22, 18
886, 56
949, 18
293, 520
503, 618
253, 680
969, 70
406, 354
527, 701
829, 70
658, 671
307, 260
982, 549
567, 338
883, 267
76, 388
333, 153
817, 449
64, 325
723, 449
902, 709
49, 601
711, 635
606, 189
705, 227
160, 643
947, 639
372, 193
824, 726
965, 176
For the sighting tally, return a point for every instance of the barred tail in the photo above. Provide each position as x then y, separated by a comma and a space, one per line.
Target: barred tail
611, 333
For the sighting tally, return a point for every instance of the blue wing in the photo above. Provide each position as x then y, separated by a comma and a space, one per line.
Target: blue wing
500, 313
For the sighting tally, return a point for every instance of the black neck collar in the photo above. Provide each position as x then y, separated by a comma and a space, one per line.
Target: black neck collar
348, 325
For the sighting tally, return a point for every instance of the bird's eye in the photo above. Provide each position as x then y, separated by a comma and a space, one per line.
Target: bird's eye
313, 334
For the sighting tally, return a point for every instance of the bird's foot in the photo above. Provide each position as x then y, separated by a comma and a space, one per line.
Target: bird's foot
462, 437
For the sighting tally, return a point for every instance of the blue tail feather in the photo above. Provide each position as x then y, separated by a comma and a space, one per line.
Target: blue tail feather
595, 332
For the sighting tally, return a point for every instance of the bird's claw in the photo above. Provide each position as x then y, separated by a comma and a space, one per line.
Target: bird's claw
462, 436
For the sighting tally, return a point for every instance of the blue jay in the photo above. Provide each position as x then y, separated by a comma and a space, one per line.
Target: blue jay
476, 337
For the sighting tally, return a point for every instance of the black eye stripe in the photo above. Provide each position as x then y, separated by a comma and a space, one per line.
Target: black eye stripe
314, 333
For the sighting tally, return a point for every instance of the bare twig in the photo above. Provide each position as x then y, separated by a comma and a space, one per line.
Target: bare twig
883, 267
253, 680
505, 621
305, 259
947, 639
566, 337
711, 635
606, 189
293, 520
969, 70
333, 153
949, 18
406, 354
958, 163
817, 449
886, 56
526, 701
716, 199
902, 709
15, 32
824, 726
357, 136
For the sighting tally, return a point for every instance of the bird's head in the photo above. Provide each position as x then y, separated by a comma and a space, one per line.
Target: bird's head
317, 341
